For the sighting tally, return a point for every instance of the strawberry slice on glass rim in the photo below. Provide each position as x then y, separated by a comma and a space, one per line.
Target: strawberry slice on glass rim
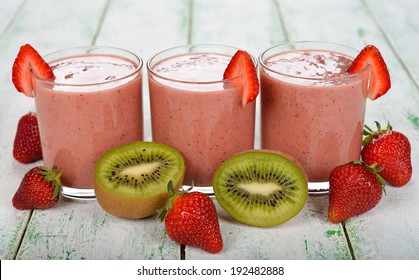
380, 77
26, 60
241, 64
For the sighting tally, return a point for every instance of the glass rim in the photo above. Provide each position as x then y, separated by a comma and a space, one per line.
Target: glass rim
326, 43
150, 69
49, 81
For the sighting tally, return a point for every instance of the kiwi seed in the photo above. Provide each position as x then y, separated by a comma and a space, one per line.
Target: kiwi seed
261, 188
131, 180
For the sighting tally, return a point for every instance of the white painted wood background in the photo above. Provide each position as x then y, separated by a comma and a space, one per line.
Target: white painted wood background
82, 230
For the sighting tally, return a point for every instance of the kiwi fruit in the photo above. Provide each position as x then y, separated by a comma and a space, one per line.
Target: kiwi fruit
261, 187
131, 180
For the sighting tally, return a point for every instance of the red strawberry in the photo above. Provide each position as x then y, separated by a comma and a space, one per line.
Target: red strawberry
355, 188
28, 58
391, 150
192, 220
40, 188
241, 64
27, 144
380, 77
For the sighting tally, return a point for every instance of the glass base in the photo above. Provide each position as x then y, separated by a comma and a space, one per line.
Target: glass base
313, 188
208, 190
78, 194
318, 187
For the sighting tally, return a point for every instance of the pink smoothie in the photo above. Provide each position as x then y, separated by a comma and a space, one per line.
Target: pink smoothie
312, 109
79, 123
203, 119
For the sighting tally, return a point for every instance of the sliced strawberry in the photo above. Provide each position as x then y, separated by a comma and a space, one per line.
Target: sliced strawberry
380, 77
241, 64
28, 58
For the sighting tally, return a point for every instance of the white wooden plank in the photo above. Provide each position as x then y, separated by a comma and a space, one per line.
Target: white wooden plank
82, 230
8, 11
400, 22
47, 29
376, 234
395, 223
308, 236
145, 27
389, 231
78, 236
250, 25
256, 26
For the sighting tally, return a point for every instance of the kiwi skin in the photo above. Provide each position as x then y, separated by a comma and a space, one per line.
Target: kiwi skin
132, 206
254, 219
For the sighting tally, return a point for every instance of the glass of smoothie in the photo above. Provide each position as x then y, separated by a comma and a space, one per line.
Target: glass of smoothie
196, 111
93, 105
311, 108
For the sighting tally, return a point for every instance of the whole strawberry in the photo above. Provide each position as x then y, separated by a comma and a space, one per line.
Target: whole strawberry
355, 188
39, 189
192, 219
27, 143
391, 150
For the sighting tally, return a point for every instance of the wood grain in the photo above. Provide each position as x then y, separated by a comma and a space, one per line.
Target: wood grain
82, 230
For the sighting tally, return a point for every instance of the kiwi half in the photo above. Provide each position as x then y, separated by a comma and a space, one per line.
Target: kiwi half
261, 188
131, 180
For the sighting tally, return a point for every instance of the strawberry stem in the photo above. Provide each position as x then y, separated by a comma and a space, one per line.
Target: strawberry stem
172, 197
369, 133
50, 175
169, 204
374, 169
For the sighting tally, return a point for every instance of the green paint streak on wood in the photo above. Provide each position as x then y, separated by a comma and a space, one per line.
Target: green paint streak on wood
13, 241
68, 254
332, 232
161, 247
357, 240
186, 21
414, 120
71, 216
151, 254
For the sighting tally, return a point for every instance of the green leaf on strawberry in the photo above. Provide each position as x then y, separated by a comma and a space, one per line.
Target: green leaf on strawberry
39, 189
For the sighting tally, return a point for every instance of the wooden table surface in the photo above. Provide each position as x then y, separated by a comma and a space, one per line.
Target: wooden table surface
82, 230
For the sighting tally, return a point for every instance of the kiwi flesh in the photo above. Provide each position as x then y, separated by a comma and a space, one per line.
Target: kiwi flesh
261, 187
131, 180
